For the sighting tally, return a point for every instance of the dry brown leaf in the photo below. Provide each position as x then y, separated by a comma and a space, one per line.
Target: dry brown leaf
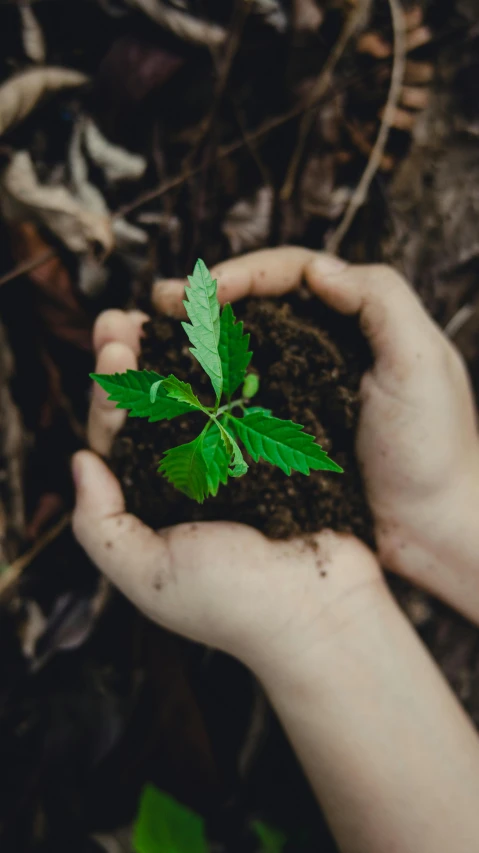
180, 23
57, 304
32, 35
23, 199
247, 223
120, 841
92, 199
272, 12
318, 194
32, 628
117, 163
21, 94
307, 15
12, 451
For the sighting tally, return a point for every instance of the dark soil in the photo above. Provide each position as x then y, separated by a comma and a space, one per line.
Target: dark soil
310, 363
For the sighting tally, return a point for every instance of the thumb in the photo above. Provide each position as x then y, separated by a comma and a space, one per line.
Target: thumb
131, 554
390, 314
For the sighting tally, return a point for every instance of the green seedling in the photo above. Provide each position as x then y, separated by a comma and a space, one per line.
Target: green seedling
220, 345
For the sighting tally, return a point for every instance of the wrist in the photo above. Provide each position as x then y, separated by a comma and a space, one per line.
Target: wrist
440, 552
310, 650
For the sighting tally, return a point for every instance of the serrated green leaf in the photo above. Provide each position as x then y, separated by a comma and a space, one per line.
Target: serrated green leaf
255, 409
217, 459
250, 386
240, 467
181, 391
165, 826
154, 390
272, 839
131, 390
233, 349
283, 443
185, 467
203, 310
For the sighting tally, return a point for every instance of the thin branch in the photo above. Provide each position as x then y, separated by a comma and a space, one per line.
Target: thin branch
460, 318
248, 138
321, 86
12, 573
27, 266
397, 77
224, 151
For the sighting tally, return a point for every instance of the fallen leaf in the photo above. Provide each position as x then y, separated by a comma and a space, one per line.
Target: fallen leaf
57, 302
180, 23
21, 94
92, 199
273, 13
247, 223
23, 198
116, 162
50, 505
307, 15
32, 628
32, 35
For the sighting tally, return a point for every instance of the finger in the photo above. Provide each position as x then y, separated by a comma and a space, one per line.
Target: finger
268, 272
104, 419
115, 325
126, 550
167, 297
391, 316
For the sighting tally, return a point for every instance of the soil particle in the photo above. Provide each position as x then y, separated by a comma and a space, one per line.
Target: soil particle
310, 362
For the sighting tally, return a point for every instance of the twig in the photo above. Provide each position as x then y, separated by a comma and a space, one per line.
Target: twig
397, 76
225, 64
224, 151
27, 266
248, 138
255, 733
11, 574
322, 83
460, 318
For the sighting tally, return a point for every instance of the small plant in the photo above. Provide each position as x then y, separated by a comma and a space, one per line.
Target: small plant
222, 349
163, 825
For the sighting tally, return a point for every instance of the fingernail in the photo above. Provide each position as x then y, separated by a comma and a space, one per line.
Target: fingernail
325, 265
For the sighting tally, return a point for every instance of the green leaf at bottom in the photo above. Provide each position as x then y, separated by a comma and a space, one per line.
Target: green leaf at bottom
165, 826
272, 840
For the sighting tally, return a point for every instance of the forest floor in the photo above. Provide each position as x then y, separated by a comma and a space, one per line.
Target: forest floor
135, 136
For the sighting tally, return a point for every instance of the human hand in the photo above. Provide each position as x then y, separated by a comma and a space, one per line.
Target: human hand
417, 439
222, 584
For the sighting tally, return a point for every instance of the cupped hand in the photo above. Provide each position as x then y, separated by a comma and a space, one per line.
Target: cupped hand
219, 583
417, 440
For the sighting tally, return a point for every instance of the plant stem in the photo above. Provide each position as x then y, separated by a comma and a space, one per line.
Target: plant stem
230, 406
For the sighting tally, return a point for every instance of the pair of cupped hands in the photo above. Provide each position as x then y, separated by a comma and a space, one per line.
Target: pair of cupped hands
228, 586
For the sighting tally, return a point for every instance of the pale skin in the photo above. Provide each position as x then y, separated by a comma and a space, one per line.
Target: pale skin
389, 752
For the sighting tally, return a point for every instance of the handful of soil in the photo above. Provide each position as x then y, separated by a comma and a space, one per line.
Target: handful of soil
310, 362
